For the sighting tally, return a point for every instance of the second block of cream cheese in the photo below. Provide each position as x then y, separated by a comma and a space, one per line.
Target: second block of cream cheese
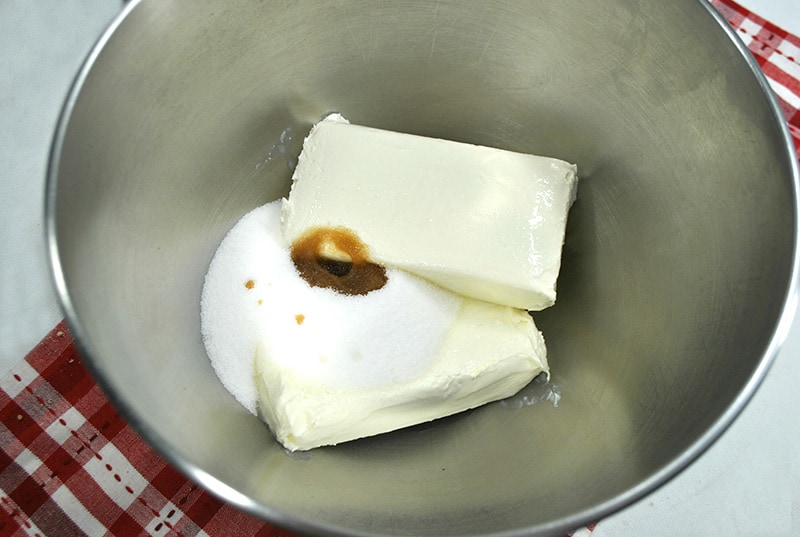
482, 222
324, 368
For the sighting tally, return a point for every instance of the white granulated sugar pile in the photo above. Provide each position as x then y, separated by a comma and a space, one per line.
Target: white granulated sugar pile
253, 297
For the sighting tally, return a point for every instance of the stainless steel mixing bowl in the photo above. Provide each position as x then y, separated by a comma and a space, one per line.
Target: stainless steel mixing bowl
678, 279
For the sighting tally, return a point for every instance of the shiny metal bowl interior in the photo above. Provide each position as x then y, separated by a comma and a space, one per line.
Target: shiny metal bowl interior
678, 270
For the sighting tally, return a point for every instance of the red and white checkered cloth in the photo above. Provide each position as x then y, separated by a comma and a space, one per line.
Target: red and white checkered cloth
777, 52
70, 465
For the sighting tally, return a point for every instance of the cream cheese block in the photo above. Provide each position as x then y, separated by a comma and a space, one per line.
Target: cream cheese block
323, 368
482, 222
490, 352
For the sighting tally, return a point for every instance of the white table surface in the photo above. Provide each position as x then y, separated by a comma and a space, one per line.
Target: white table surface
747, 484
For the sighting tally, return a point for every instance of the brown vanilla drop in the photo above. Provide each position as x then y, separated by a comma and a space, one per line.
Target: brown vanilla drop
335, 258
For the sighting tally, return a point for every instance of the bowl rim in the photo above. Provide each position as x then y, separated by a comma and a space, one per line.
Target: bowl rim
228, 494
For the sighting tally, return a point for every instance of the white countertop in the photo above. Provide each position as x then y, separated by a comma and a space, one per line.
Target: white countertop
747, 484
